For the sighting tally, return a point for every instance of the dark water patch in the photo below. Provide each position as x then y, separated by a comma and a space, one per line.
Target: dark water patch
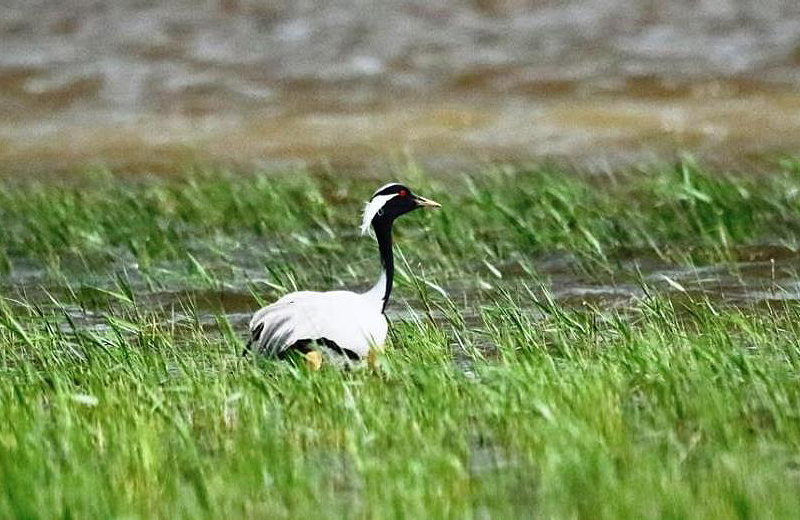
765, 253
204, 301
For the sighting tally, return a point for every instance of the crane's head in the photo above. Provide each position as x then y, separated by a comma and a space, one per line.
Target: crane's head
391, 201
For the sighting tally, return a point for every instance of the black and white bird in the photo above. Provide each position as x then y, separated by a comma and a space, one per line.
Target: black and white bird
341, 324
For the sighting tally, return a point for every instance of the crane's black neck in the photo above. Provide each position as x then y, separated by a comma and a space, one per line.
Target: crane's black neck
383, 232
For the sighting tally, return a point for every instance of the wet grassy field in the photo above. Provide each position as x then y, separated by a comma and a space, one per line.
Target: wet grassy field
562, 345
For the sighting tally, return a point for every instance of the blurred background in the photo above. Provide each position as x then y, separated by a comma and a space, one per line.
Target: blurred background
145, 85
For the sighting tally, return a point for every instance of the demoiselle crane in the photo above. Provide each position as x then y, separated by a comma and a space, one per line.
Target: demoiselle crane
346, 325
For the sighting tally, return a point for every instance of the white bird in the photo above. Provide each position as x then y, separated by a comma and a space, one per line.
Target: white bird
343, 324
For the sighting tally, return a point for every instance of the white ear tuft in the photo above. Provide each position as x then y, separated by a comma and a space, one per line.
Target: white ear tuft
372, 208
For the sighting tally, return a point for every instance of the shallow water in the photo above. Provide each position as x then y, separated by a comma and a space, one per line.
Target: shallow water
765, 275
139, 84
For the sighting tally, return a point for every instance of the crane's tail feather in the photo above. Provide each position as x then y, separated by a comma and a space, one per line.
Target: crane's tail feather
270, 335
255, 334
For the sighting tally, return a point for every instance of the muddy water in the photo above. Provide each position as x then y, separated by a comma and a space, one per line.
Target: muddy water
146, 84
763, 276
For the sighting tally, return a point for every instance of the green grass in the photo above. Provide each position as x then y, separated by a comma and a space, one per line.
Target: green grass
123, 395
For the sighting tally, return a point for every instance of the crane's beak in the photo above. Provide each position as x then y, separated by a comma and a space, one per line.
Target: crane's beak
423, 202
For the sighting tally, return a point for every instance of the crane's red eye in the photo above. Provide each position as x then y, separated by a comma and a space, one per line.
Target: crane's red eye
403, 193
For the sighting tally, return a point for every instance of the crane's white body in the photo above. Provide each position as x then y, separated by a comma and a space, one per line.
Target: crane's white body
353, 321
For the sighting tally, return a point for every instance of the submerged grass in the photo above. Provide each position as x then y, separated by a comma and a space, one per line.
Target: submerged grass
117, 406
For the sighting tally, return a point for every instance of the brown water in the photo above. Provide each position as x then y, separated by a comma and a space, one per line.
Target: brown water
136, 83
